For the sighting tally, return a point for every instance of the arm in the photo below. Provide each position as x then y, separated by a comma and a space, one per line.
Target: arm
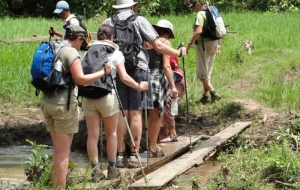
168, 72
195, 36
219, 46
80, 78
126, 79
168, 50
53, 32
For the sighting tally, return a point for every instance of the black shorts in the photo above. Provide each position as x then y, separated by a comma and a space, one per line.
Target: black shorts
131, 98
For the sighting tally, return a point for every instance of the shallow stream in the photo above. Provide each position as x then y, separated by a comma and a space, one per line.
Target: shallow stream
13, 158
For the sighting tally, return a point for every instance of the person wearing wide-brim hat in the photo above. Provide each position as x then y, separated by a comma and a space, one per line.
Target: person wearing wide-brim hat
131, 99
161, 81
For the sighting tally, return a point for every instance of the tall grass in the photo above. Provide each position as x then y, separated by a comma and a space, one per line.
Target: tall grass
269, 75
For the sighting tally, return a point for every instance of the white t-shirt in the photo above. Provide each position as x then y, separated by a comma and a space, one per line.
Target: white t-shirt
72, 20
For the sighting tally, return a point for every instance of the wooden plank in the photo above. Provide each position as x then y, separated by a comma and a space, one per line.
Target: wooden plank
172, 150
164, 174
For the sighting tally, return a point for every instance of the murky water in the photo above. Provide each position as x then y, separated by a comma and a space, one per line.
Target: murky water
12, 160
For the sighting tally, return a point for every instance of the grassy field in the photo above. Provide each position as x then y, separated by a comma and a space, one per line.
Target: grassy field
271, 69
270, 76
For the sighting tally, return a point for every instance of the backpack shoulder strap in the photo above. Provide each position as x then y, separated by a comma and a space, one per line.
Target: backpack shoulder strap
132, 18
114, 18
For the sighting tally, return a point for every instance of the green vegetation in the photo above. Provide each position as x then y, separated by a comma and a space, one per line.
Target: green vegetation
270, 76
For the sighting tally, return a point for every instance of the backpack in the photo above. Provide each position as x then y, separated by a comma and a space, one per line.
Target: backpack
176, 71
46, 70
93, 61
84, 46
215, 28
126, 37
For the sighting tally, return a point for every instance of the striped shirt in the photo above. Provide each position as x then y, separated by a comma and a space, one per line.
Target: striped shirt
145, 32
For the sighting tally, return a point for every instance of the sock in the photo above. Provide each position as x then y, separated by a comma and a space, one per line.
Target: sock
133, 154
112, 162
95, 165
205, 96
120, 154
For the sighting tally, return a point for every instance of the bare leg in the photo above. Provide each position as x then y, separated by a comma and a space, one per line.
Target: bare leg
93, 125
60, 158
207, 86
110, 127
154, 125
122, 131
136, 128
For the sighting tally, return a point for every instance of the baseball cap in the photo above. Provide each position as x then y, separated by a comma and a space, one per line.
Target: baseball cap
60, 6
193, 4
74, 31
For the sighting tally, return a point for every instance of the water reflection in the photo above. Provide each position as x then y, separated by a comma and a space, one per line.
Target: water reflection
12, 160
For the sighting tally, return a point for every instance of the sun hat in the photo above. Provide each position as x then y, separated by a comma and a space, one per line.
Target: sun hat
74, 31
165, 24
60, 6
193, 4
124, 4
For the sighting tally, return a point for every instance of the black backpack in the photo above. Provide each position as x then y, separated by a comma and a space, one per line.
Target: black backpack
93, 61
125, 36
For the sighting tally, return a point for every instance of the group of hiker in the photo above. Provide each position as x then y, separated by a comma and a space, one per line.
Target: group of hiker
150, 85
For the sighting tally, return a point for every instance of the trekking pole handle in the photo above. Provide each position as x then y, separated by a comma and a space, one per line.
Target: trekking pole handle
180, 45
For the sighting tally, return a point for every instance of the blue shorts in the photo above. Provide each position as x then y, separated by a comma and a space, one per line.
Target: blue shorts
131, 98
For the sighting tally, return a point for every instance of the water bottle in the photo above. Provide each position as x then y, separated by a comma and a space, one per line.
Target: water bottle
58, 65
174, 107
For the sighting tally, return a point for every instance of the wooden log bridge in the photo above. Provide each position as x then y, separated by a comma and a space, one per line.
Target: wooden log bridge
161, 176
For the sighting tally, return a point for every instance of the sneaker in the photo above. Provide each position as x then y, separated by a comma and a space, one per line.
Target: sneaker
215, 97
204, 100
97, 175
113, 173
133, 162
121, 162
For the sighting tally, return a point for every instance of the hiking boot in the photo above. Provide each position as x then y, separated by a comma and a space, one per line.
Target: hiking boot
113, 173
204, 100
215, 97
97, 175
121, 162
133, 162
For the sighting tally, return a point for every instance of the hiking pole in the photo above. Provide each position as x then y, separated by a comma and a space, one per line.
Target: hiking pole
101, 142
186, 101
146, 126
128, 128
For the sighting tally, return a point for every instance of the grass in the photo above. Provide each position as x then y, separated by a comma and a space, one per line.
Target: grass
270, 76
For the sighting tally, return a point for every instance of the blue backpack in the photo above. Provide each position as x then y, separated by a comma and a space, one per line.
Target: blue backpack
46, 70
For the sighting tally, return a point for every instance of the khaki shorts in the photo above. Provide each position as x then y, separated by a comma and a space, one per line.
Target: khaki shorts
205, 59
57, 118
106, 106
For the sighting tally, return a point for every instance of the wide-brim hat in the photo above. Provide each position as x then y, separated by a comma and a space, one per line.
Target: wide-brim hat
124, 4
166, 25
